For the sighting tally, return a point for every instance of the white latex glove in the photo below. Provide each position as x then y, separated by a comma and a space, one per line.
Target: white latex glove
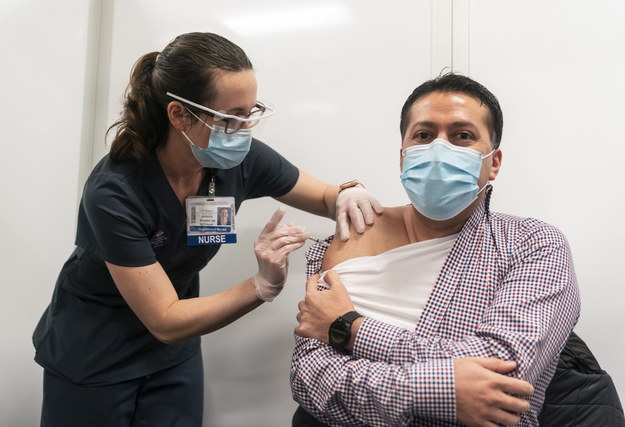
359, 205
272, 249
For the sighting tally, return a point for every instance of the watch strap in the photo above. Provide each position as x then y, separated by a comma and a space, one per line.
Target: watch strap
350, 184
350, 316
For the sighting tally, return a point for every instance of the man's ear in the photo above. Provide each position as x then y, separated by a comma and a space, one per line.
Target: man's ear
494, 170
178, 115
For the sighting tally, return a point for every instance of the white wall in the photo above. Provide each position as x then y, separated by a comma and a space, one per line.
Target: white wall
338, 87
44, 77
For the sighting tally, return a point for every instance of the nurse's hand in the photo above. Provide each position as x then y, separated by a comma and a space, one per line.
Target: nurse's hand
359, 205
272, 249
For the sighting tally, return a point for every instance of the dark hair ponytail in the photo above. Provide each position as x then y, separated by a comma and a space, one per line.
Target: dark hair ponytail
143, 124
186, 68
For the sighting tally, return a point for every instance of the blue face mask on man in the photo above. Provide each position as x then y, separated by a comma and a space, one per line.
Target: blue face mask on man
441, 179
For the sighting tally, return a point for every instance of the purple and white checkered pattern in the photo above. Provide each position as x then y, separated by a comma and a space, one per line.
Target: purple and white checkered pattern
509, 292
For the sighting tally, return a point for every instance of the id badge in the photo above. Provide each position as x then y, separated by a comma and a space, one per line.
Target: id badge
210, 220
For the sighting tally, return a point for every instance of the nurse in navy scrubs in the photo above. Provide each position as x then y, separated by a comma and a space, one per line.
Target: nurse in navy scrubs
120, 340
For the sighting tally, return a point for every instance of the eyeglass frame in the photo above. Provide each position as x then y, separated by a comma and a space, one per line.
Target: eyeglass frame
227, 118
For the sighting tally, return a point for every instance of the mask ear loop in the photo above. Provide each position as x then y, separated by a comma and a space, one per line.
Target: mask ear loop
203, 122
487, 182
483, 188
488, 155
188, 139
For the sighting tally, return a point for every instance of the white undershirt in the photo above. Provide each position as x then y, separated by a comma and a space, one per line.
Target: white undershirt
394, 286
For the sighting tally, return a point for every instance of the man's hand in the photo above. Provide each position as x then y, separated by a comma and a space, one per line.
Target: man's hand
320, 308
484, 395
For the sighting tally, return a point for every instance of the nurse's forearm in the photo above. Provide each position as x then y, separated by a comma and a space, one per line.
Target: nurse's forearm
199, 316
152, 297
312, 195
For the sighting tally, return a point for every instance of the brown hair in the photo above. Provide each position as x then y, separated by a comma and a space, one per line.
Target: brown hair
186, 67
452, 82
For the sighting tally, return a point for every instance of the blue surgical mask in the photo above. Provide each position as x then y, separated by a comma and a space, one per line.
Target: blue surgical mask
441, 179
224, 151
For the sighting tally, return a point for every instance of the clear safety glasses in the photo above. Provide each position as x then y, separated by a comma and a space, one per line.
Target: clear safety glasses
233, 123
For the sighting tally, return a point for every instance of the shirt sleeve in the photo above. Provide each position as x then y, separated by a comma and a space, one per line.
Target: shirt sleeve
343, 389
532, 312
529, 319
113, 222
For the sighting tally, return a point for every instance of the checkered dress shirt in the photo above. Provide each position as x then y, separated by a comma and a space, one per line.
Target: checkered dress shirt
507, 289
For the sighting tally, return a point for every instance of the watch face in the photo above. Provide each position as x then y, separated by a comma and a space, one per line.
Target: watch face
339, 333
349, 184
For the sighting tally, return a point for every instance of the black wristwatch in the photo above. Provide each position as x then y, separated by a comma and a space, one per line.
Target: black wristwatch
341, 329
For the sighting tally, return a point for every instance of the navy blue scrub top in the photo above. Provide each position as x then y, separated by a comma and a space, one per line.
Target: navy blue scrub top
131, 217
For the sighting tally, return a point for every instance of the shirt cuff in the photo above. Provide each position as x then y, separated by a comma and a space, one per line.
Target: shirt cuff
375, 340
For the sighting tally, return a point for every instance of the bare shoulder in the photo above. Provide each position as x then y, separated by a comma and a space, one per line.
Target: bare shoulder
387, 232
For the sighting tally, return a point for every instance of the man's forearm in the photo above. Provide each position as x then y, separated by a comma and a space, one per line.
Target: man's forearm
337, 388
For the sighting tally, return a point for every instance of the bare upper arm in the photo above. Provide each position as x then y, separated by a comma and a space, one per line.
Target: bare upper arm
358, 245
387, 232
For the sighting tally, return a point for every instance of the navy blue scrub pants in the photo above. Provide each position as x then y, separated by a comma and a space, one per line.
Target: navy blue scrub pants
172, 397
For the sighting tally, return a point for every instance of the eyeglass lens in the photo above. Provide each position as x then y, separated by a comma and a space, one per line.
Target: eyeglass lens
233, 125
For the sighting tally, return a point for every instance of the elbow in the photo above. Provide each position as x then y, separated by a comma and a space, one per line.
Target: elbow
168, 339
166, 326
166, 335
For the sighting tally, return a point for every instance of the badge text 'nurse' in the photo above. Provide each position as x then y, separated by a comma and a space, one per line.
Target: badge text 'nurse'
210, 220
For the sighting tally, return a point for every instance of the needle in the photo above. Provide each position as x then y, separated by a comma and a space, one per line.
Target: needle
314, 239
321, 242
